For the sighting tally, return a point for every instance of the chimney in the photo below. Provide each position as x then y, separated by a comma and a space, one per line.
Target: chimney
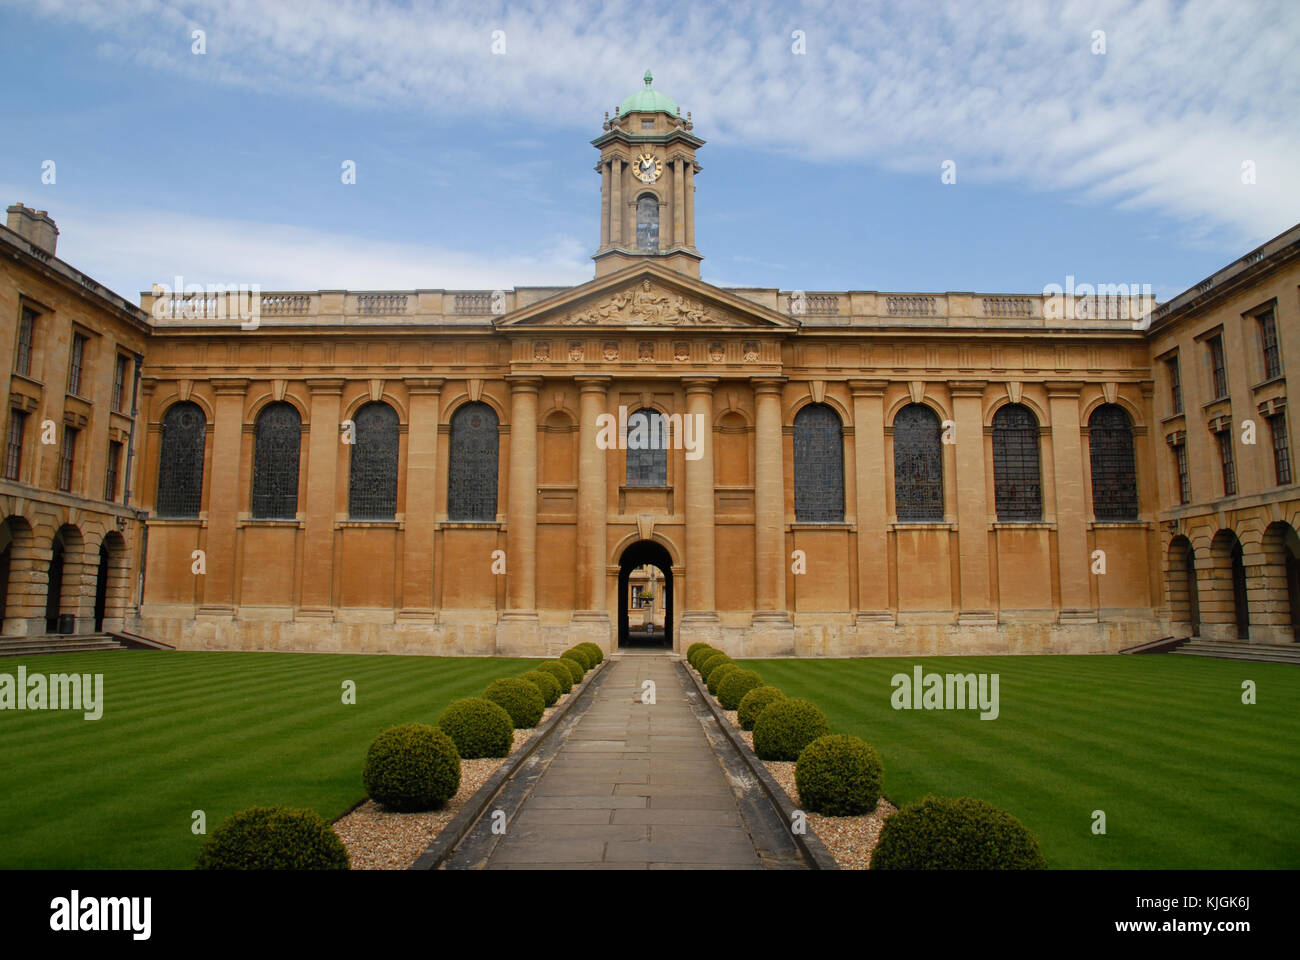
34, 226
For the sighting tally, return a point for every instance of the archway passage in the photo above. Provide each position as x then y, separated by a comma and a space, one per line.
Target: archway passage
1184, 600
646, 553
1240, 598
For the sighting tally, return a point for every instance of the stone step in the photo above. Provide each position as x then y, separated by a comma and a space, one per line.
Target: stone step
57, 643
1229, 650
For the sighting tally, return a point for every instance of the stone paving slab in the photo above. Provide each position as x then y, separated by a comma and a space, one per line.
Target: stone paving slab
634, 786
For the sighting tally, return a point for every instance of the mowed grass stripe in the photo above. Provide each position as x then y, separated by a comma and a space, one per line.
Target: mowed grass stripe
209, 731
1188, 775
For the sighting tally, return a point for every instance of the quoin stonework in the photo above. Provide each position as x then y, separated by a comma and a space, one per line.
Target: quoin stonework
418, 471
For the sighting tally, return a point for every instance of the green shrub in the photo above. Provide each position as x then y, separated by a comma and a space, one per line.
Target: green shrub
955, 833
719, 673
576, 668
562, 674
273, 838
754, 703
702, 653
478, 727
519, 698
582, 655
839, 775
735, 685
412, 766
693, 649
786, 727
596, 652
546, 685
708, 663
702, 657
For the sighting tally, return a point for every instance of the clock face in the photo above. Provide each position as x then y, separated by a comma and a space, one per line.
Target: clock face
648, 168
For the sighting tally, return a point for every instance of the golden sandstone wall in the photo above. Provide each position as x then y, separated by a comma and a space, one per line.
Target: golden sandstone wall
544, 570
423, 583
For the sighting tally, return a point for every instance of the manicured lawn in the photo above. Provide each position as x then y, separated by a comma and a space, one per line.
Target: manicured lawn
202, 731
1187, 775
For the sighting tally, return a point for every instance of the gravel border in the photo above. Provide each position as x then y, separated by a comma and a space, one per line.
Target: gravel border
380, 839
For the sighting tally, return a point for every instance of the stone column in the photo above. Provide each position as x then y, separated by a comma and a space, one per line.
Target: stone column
421, 489
226, 480
1071, 518
972, 505
690, 203
591, 619
518, 633
699, 622
679, 202
604, 205
773, 633
616, 202
871, 485
324, 446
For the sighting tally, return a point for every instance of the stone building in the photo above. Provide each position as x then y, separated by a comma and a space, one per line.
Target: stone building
813, 472
70, 537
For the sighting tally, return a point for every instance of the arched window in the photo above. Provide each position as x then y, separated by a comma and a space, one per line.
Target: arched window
1114, 474
1017, 486
918, 465
818, 465
278, 437
647, 449
180, 461
472, 474
372, 480
647, 222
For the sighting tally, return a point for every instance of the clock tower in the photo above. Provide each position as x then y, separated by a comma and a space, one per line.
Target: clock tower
647, 185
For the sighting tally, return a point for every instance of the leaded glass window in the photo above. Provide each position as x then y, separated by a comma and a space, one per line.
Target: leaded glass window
278, 437
1017, 485
918, 465
372, 481
647, 223
1281, 448
647, 449
1114, 470
472, 483
818, 465
180, 461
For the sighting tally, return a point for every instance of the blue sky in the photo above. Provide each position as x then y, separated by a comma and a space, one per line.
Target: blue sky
821, 169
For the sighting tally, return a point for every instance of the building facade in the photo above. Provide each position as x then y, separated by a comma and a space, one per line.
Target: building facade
814, 473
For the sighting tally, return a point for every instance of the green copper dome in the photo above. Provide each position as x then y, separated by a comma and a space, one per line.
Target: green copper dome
648, 100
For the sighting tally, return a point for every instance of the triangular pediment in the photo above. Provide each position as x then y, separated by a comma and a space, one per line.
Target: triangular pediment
647, 297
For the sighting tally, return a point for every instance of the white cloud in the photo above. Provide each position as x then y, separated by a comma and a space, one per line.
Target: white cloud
118, 250
1162, 122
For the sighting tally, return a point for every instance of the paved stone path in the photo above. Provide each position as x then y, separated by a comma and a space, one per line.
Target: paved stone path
635, 786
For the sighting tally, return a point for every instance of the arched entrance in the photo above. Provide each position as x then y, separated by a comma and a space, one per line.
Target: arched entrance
645, 553
1277, 617
1240, 598
1184, 600
111, 583
63, 594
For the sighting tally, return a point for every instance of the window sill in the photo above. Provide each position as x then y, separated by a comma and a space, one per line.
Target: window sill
1118, 524
469, 525
1271, 381
923, 525
369, 524
1022, 525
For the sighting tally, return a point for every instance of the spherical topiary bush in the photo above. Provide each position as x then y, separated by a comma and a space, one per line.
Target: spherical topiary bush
735, 685
754, 703
719, 673
839, 775
478, 727
596, 652
703, 656
562, 674
273, 838
576, 668
786, 727
519, 698
411, 767
546, 685
707, 664
697, 659
582, 655
692, 650
955, 833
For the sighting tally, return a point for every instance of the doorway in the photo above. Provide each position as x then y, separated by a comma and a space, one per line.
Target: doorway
645, 596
